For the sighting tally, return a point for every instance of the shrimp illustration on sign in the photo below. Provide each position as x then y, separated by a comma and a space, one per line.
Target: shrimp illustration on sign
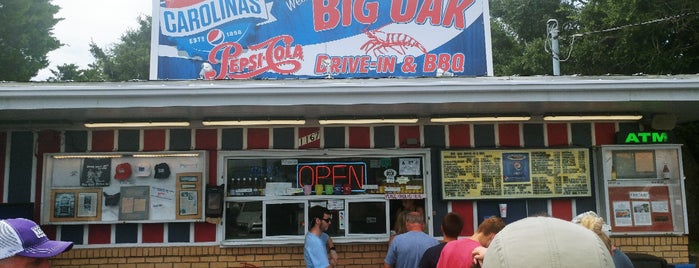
381, 42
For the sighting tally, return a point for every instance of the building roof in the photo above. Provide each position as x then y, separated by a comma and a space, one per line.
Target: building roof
71, 104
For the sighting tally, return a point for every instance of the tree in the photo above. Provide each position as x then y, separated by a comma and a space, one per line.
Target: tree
130, 58
26, 37
603, 36
630, 37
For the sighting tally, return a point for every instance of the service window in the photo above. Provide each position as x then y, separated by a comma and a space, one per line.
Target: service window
643, 189
269, 193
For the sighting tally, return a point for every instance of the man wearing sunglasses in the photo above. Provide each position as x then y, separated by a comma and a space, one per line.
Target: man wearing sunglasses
314, 253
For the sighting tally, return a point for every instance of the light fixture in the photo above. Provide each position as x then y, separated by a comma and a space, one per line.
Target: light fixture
166, 155
255, 122
137, 124
620, 117
479, 119
74, 156
365, 121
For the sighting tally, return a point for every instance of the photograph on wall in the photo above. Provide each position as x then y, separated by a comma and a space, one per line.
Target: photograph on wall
189, 195
622, 213
89, 206
188, 203
64, 205
641, 213
134, 203
96, 172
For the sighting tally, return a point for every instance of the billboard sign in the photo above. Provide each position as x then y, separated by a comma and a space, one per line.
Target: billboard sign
279, 39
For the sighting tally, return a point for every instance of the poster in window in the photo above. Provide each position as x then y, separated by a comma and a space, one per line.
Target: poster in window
515, 167
188, 203
89, 205
189, 195
622, 213
64, 205
96, 172
134, 203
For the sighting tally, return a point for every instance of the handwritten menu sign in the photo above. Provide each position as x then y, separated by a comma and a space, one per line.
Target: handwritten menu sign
494, 174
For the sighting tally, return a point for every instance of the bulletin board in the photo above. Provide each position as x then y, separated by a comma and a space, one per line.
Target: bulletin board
531, 173
640, 209
124, 187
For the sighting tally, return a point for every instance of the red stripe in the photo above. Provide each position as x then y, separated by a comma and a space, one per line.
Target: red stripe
604, 133
562, 209
49, 141
154, 140
465, 210
205, 139
359, 137
408, 132
3, 149
152, 232
212, 167
49, 231
557, 134
258, 138
508, 135
103, 141
459, 136
99, 234
204, 232
309, 137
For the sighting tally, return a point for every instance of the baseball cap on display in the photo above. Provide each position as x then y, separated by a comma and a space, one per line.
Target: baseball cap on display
123, 171
162, 171
25, 238
142, 170
546, 242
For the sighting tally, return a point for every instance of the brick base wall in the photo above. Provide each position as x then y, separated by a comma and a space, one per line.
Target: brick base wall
350, 256
674, 249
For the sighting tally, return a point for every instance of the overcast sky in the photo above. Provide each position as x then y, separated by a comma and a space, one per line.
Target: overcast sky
101, 21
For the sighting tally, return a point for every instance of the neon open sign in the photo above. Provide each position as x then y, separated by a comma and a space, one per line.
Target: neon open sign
352, 173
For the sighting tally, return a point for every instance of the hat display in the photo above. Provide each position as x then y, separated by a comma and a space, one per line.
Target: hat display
142, 170
162, 171
546, 242
25, 238
123, 171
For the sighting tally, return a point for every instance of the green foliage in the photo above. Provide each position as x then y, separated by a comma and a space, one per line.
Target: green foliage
128, 59
617, 36
26, 37
629, 37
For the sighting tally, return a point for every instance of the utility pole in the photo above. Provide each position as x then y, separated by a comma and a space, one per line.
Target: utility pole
552, 30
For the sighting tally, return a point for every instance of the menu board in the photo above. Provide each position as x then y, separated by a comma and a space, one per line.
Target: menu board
496, 174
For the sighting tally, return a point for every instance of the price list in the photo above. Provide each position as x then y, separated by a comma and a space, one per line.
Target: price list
491, 174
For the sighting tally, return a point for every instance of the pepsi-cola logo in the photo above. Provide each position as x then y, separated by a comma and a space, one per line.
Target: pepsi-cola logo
215, 37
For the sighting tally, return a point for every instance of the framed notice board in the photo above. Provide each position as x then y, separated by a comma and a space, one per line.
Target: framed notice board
642, 189
533, 173
109, 187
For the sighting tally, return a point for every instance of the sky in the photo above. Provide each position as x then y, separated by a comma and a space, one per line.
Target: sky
100, 21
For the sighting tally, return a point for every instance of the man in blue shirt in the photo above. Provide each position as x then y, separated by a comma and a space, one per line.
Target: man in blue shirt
314, 247
406, 250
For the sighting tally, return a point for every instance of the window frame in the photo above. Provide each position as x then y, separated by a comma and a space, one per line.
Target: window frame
225, 156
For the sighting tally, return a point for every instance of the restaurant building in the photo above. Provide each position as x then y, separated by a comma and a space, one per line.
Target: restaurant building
257, 111
147, 195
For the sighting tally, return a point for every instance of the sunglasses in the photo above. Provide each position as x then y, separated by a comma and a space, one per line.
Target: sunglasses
327, 220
